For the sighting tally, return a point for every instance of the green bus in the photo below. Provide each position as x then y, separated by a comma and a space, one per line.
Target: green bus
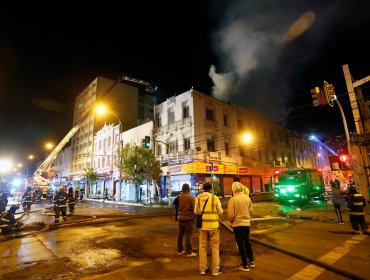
299, 185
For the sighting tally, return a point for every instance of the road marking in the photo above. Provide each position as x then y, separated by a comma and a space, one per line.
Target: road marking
312, 271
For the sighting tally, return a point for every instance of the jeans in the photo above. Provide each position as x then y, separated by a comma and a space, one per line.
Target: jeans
185, 228
244, 244
337, 211
211, 237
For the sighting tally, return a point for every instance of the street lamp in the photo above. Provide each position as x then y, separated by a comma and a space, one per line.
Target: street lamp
246, 138
101, 110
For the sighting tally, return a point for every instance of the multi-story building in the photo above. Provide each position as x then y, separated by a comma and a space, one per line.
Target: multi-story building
106, 142
130, 104
198, 139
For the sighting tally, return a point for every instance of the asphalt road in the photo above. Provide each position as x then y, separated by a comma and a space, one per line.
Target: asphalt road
131, 242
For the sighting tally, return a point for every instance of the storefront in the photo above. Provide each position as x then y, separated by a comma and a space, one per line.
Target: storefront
257, 179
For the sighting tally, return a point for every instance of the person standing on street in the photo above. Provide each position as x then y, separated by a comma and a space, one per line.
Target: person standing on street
245, 188
27, 200
184, 207
60, 202
209, 234
71, 201
239, 214
105, 196
336, 199
356, 203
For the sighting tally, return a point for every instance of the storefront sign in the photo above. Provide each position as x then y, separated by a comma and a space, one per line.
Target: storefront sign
243, 170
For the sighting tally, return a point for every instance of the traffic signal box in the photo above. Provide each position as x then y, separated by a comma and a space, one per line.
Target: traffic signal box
341, 162
323, 96
146, 142
317, 96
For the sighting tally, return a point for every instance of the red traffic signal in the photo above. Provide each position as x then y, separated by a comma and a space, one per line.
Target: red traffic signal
343, 158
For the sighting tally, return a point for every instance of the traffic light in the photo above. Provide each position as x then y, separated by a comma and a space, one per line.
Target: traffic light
317, 96
146, 142
329, 92
345, 162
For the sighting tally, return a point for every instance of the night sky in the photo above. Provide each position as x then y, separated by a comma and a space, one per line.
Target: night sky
263, 55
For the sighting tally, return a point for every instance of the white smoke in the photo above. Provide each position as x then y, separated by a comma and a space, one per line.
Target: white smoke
249, 43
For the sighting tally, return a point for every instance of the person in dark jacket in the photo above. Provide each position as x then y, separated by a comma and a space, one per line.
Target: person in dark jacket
184, 207
3, 202
60, 202
71, 201
336, 199
356, 203
27, 199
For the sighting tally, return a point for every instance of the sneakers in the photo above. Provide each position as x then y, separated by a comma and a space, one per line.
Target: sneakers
242, 268
181, 253
340, 223
252, 265
217, 272
192, 254
204, 272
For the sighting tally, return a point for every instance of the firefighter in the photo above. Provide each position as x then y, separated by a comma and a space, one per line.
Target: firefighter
71, 200
3, 202
356, 204
27, 199
60, 203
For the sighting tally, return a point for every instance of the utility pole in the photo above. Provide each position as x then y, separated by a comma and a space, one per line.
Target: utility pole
360, 139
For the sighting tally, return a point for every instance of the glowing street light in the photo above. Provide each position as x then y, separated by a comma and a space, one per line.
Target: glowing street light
5, 166
49, 146
246, 139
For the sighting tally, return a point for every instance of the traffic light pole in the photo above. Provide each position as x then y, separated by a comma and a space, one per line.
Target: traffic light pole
350, 151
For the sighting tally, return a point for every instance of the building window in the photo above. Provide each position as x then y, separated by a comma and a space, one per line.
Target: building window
159, 121
109, 140
209, 114
171, 115
186, 144
103, 162
159, 150
185, 111
211, 145
225, 121
227, 148
173, 147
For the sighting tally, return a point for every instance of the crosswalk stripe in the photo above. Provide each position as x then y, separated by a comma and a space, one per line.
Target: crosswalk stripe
312, 271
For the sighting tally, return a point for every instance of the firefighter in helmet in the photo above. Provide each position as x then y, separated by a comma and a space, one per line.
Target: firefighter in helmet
60, 202
356, 204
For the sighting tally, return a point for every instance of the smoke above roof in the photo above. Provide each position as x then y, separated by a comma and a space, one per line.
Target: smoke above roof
251, 45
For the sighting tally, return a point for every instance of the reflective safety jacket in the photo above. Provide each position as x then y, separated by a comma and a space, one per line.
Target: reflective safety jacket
356, 203
211, 211
60, 199
27, 196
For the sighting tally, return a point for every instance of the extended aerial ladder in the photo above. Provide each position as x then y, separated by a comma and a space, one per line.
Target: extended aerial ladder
38, 176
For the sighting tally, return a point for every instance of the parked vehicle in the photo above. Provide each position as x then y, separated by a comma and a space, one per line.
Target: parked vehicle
299, 185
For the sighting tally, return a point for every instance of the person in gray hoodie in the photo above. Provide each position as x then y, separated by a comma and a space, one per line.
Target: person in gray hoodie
239, 214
